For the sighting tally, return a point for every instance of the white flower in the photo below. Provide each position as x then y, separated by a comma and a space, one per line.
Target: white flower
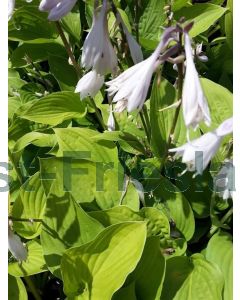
131, 87
15, 246
98, 52
195, 107
11, 6
111, 121
57, 8
89, 84
135, 49
225, 128
224, 181
198, 153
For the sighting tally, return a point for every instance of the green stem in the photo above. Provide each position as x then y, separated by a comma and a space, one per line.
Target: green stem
223, 220
145, 112
24, 219
18, 172
145, 126
68, 49
32, 288
97, 114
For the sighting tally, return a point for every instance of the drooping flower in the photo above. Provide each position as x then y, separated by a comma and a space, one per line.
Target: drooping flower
131, 87
98, 52
57, 8
195, 107
198, 153
225, 128
111, 121
224, 181
89, 84
11, 6
15, 246
135, 49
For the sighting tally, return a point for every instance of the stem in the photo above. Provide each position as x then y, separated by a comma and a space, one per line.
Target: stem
24, 219
68, 49
145, 126
179, 96
97, 113
32, 287
18, 172
137, 19
145, 112
223, 220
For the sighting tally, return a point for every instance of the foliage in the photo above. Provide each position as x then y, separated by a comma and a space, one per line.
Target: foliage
75, 187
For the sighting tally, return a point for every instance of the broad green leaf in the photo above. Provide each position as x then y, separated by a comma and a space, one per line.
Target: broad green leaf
13, 105
98, 269
56, 108
65, 225
29, 205
163, 95
220, 101
16, 289
71, 23
178, 4
82, 140
36, 52
29, 23
36, 138
14, 84
90, 183
150, 23
203, 15
174, 202
64, 73
220, 251
192, 278
157, 222
34, 264
150, 271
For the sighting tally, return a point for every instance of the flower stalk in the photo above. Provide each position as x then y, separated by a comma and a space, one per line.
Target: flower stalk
68, 49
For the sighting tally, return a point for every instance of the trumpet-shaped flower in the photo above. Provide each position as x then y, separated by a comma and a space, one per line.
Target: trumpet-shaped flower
111, 121
224, 181
134, 47
57, 8
89, 84
11, 6
15, 246
131, 87
225, 128
198, 153
195, 107
98, 52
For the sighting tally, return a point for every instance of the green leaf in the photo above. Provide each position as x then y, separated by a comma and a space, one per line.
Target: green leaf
37, 52
64, 73
30, 205
162, 96
150, 23
178, 4
157, 222
29, 23
16, 289
192, 278
220, 251
89, 182
220, 101
56, 108
65, 225
173, 202
34, 264
150, 271
126, 293
35, 138
203, 15
98, 269
72, 25
229, 24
